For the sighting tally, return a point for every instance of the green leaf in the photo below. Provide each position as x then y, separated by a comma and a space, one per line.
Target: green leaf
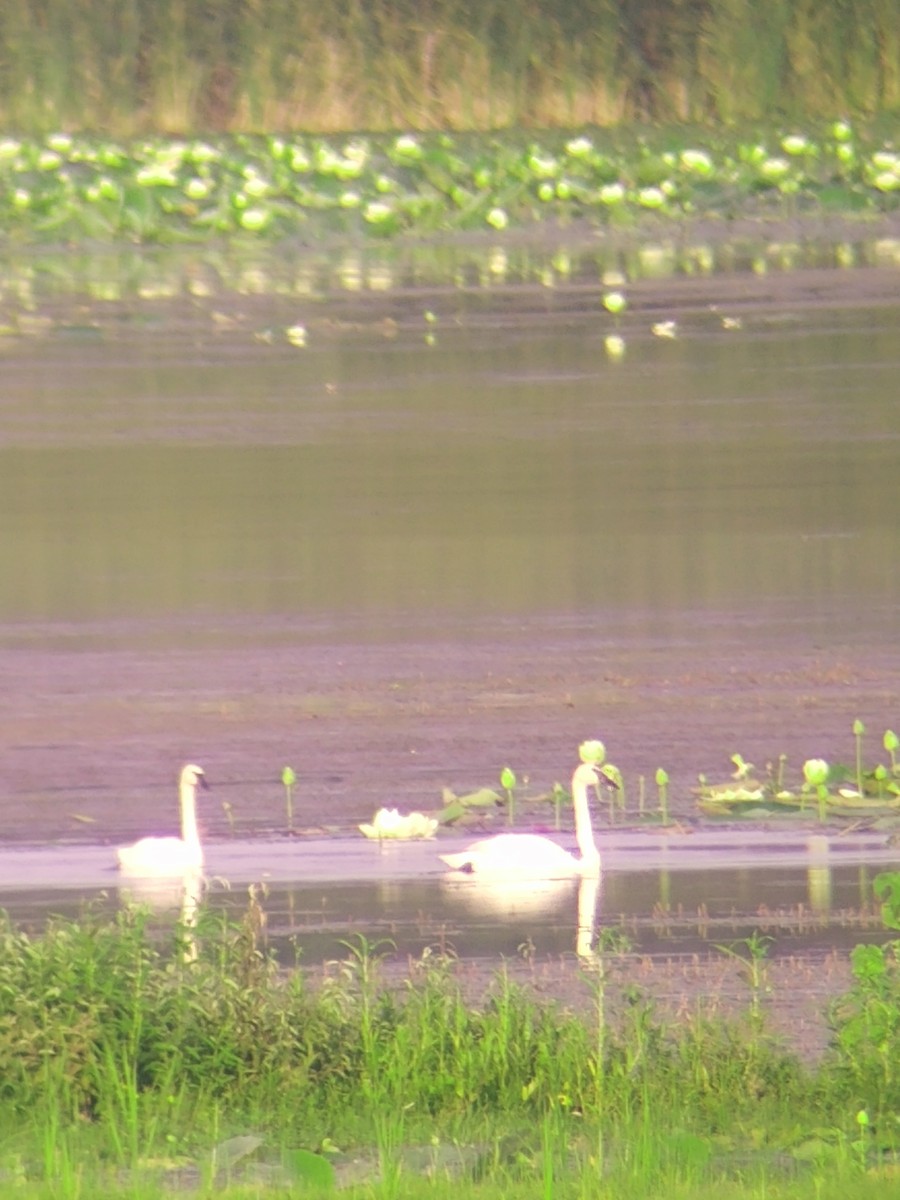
310, 1169
868, 963
887, 888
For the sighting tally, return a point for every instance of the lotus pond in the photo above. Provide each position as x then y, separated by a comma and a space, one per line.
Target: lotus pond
309, 485
67, 187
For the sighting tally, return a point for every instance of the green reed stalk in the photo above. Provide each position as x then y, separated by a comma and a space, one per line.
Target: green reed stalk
186, 66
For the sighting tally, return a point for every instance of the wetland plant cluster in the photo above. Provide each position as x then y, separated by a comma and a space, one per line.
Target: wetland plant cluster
65, 187
186, 65
825, 792
126, 1064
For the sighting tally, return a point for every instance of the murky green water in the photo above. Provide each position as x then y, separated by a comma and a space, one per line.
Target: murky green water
510, 469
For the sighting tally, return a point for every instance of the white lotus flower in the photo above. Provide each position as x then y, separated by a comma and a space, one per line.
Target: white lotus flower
389, 823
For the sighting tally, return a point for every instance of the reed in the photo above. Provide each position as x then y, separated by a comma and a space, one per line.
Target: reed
185, 66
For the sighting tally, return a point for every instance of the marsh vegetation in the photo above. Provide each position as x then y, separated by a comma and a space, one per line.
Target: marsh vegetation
131, 1067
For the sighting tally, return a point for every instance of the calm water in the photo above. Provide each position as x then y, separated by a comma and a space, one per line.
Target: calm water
411, 551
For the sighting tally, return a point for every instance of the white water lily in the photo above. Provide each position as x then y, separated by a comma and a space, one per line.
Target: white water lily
156, 175
202, 152
544, 166
775, 169
390, 824
579, 147
254, 219
376, 212
651, 197
255, 186
197, 188
697, 161
61, 142
886, 160
407, 146
795, 143
612, 193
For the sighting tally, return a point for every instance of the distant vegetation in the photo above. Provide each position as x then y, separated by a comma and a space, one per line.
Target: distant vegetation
128, 67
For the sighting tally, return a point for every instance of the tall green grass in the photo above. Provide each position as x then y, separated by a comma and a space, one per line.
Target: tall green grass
177, 66
119, 1058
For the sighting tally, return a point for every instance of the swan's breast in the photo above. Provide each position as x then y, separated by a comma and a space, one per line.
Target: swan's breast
158, 857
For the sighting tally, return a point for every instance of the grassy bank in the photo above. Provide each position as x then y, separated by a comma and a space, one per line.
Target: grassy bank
180, 66
130, 1061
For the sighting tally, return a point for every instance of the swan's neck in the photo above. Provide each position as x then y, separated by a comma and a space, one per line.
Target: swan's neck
189, 831
584, 830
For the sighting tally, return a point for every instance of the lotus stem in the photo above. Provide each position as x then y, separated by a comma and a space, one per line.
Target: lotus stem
288, 778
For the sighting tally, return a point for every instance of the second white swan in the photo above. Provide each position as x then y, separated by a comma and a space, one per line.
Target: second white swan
527, 855
165, 857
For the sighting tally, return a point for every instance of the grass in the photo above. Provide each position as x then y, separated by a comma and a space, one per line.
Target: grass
125, 1070
182, 66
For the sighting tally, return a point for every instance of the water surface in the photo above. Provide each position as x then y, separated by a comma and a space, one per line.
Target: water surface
412, 551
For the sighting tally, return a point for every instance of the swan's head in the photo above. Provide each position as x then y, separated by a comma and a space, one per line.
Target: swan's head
193, 776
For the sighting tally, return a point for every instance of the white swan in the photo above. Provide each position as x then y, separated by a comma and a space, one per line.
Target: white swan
165, 857
528, 856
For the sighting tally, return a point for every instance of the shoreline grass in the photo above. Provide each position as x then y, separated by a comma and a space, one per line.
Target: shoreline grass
181, 66
127, 1069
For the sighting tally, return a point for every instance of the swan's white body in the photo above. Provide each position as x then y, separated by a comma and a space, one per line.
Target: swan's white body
529, 856
165, 857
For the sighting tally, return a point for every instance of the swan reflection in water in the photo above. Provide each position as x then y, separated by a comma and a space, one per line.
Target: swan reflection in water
535, 899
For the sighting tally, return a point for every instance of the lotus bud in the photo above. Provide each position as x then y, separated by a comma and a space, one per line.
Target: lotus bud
815, 771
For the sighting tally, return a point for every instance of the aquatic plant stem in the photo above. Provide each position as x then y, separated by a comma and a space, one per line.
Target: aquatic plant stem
289, 779
858, 730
